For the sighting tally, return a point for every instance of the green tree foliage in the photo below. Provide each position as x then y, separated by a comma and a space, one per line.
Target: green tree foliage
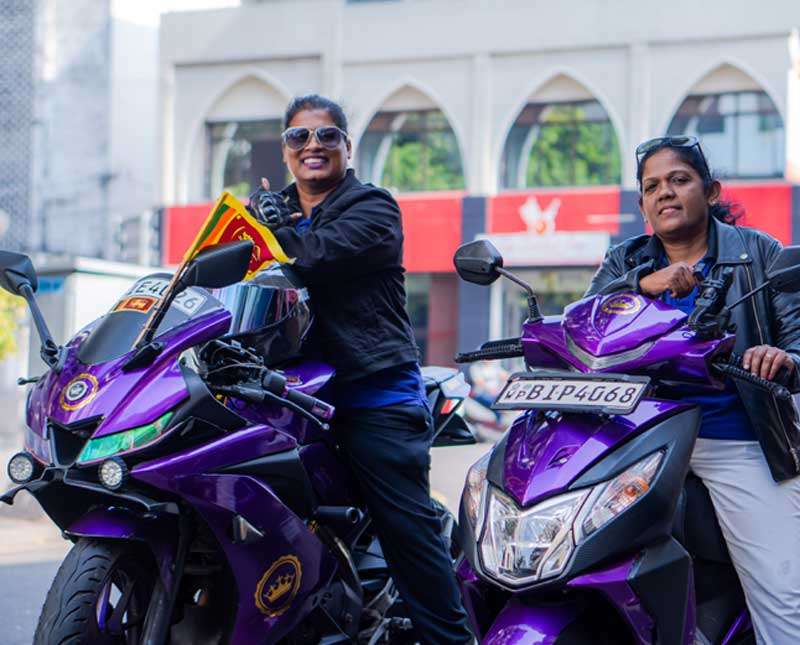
424, 155
569, 150
12, 309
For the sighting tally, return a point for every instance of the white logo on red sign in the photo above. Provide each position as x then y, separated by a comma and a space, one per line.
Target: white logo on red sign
537, 220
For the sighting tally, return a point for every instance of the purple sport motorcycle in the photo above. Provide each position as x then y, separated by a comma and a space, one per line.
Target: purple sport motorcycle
583, 525
200, 485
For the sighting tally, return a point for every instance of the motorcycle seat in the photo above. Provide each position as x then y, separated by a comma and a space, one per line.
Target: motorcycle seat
696, 526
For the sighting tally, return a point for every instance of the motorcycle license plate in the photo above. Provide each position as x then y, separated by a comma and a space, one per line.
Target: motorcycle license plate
568, 392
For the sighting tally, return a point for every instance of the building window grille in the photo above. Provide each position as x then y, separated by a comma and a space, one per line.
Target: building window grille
561, 144
741, 132
412, 150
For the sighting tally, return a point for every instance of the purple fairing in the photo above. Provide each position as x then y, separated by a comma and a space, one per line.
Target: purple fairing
219, 497
473, 596
543, 457
521, 624
676, 354
307, 378
123, 400
613, 582
602, 325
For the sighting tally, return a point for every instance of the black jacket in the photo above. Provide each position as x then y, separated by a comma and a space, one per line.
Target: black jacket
351, 262
769, 318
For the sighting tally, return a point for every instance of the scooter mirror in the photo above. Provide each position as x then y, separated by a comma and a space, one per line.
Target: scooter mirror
784, 273
16, 270
477, 262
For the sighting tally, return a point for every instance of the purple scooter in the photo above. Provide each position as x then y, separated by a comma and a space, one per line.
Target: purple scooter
201, 487
581, 525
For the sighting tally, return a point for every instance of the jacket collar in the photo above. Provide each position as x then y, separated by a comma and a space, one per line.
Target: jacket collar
724, 243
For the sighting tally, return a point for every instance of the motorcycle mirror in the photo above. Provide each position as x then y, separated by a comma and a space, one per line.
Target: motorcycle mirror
784, 273
478, 262
16, 270
218, 266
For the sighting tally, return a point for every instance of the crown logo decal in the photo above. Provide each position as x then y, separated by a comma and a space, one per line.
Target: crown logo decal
280, 587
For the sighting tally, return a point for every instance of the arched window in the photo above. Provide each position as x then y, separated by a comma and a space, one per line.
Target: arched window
410, 146
562, 137
243, 133
737, 122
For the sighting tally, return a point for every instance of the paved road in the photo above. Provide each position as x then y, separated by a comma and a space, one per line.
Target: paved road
24, 589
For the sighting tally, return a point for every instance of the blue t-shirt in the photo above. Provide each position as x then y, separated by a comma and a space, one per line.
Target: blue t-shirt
723, 413
397, 385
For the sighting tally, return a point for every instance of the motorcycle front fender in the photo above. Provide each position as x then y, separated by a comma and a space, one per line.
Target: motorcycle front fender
159, 532
520, 624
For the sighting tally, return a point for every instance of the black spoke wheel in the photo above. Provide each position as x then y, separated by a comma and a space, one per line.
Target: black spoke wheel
100, 595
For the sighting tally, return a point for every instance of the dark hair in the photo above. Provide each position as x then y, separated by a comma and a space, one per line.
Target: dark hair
315, 102
725, 211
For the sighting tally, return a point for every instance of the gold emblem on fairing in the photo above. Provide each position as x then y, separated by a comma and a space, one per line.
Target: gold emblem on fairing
278, 586
78, 392
625, 305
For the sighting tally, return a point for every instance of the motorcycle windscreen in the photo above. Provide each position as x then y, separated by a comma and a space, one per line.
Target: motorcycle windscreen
116, 332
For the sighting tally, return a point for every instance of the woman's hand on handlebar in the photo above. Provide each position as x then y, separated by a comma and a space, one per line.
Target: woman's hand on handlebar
678, 278
766, 361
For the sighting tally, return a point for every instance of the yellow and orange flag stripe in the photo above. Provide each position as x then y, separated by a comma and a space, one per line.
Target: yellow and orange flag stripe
229, 221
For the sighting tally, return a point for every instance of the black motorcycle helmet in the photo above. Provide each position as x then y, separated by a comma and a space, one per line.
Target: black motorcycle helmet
271, 314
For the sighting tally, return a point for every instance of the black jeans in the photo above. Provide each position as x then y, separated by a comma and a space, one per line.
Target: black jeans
387, 450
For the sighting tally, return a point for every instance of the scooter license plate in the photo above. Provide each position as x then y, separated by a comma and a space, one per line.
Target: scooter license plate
606, 393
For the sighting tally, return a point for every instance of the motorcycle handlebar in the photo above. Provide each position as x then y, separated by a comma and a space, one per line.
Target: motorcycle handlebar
734, 370
276, 384
493, 350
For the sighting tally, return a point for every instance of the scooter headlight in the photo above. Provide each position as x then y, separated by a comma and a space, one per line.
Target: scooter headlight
523, 546
474, 493
610, 499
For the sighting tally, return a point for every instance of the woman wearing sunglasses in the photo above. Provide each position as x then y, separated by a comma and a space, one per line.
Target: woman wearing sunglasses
748, 450
347, 239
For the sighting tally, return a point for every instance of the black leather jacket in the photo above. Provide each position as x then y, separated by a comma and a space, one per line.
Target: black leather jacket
769, 318
351, 260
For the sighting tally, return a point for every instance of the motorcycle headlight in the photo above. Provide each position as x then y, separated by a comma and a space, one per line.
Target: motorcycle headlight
523, 546
609, 499
475, 491
125, 441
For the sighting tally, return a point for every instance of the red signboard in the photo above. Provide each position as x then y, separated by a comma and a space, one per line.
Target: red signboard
431, 225
432, 230
547, 211
766, 206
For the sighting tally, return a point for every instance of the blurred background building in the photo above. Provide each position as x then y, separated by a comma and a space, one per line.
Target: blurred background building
513, 119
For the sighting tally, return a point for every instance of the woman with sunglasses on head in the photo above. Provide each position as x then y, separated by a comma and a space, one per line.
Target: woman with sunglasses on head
748, 450
347, 239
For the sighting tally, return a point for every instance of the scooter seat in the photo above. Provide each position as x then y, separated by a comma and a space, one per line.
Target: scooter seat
696, 526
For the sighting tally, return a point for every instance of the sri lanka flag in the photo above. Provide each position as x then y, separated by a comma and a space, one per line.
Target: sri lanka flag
229, 221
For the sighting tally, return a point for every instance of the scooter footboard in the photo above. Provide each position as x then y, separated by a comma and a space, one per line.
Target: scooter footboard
521, 624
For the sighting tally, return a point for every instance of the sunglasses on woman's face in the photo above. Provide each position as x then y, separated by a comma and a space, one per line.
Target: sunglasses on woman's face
683, 141
328, 136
